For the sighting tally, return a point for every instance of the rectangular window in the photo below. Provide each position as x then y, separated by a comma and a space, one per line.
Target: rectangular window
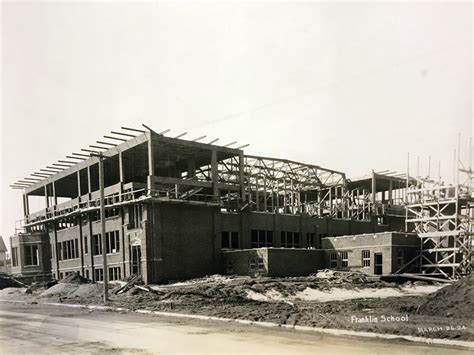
68, 249
94, 216
135, 213
15, 256
230, 240
400, 260
253, 264
260, 264
31, 255
112, 212
97, 244
99, 274
365, 258
344, 259
76, 248
333, 260
86, 247
290, 240
112, 242
114, 274
262, 239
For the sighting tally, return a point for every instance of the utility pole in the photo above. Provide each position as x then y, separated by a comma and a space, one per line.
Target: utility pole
102, 222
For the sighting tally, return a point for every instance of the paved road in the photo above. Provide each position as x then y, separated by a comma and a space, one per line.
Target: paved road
38, 329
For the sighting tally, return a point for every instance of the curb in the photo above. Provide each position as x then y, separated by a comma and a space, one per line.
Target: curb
336, 332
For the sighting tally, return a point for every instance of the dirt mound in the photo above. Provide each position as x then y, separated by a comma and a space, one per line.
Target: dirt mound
8, 281
455, 300
12, 293
38, 286
75, 279
88, 291
59, 290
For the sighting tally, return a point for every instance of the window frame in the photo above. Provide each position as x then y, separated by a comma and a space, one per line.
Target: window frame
344, 261
261, 238
333, 260
365, 256
228, 238
34, 256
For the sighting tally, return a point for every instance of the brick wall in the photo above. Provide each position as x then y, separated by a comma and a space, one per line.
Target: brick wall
276, 262
387, 243
183, 242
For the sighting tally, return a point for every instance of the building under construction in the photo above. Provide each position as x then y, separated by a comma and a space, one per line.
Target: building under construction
176, 209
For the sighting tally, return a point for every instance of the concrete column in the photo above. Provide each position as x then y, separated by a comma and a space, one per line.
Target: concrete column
26, 208
46, 197
390, 192
265, 193
55, 198
81, 245
125, 246
214, 176
89, 184
257, 197
151, 163
121, 172
56, 257
191, 166
241, 177
79, 192
374, 189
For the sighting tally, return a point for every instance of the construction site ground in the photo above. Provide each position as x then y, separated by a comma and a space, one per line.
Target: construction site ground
328, 299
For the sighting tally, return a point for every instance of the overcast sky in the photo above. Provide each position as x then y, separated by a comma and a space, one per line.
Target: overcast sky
352, 87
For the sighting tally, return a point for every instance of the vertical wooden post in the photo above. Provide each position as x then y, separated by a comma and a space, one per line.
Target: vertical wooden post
102, 220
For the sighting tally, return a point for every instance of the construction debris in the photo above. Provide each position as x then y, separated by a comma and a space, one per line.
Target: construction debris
130, 282
339, 277
8, 281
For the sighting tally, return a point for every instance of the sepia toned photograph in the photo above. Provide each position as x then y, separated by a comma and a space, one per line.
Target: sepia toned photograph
236, 177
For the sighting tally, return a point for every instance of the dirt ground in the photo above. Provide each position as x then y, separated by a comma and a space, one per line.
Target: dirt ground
43, 329
328, 299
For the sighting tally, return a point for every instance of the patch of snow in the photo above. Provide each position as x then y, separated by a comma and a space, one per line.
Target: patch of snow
415, 290
338, 294
204, 280
257, 296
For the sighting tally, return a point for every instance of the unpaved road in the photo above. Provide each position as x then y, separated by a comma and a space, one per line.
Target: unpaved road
34, 329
